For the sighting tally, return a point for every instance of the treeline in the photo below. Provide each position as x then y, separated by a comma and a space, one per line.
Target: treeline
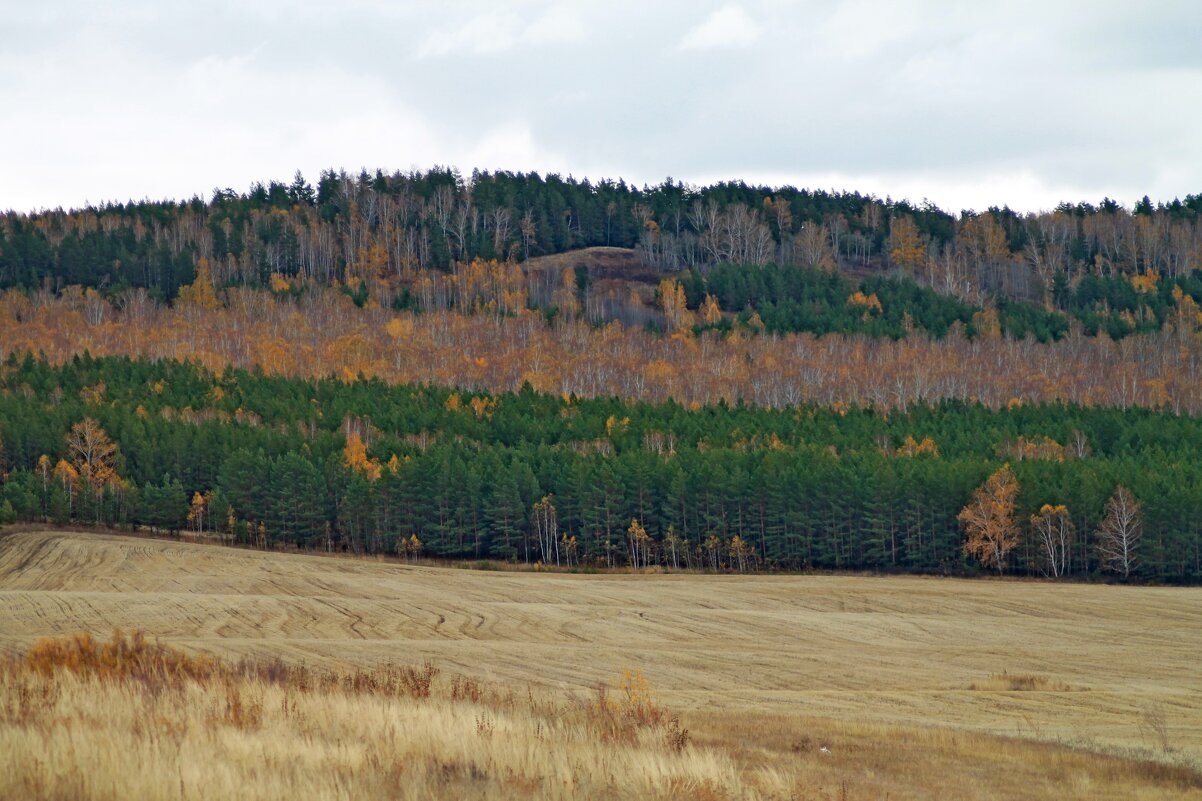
385, 229
368, 467
317, 331
790, 299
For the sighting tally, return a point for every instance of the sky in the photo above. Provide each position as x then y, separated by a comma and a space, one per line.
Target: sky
967, 105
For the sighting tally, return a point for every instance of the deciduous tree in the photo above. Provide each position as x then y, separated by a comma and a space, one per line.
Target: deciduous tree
1054, 531
988, 520
1120, 532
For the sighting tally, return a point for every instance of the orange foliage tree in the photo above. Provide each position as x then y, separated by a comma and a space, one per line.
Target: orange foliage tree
989, 522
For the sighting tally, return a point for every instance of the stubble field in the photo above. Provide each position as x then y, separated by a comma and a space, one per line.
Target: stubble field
993, 686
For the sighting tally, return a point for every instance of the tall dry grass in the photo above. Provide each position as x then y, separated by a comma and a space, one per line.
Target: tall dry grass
133, 719
129, 718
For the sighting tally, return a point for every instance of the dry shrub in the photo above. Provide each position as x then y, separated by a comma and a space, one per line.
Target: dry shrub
676, 737
1020, 682
417, 681
29, 700
637, 701
121, 658
464, 688
241, 711
389, 681
619, 711
1153, 724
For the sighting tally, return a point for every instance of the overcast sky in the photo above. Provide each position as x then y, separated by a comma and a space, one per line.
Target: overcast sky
965, 104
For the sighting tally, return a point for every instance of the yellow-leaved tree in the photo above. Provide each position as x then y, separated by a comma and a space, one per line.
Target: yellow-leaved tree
906, 249
94, 454
354, 456
95, 459
672, 301
989, 522
200, 292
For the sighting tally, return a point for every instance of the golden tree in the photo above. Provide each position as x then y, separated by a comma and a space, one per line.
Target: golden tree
196, 512
713, 546
640, 544
200, 292
905, 244
988, 519
675, 308
94, 454
739, 552
354, 456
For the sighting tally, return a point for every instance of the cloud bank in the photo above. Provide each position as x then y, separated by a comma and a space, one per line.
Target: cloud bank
1024, 103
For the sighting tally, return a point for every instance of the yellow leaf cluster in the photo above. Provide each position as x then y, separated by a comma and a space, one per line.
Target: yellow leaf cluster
615, 426
710, 313
482, 407
1041, 448
200, 292
870, 303
1146, 283
355, 457
911, 447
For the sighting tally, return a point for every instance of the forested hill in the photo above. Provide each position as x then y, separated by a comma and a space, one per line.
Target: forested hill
380, 233
364, 466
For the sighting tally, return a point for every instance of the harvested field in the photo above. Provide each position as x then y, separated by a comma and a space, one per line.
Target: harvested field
1113, 669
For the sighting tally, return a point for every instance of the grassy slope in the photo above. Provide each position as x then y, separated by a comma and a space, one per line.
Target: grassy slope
764, 669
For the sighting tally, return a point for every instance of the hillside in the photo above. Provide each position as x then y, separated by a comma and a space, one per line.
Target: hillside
720, 688
1105, 267
877, 650
363, 466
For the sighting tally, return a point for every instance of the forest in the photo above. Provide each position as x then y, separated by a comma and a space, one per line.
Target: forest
385, 229
371, 467
494, 342
550, 371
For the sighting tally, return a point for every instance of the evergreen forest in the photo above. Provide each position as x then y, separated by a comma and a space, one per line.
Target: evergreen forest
369, 467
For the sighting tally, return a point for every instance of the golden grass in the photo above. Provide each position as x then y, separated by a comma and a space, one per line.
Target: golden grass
1020, 682
134, 719
151, 722
919, 688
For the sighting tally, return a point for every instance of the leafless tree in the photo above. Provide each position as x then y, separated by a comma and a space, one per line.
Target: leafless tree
1120, 532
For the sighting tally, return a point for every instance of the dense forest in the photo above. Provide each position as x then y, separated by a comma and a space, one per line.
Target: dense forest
385, 229
548, 370
365, 466
315, 332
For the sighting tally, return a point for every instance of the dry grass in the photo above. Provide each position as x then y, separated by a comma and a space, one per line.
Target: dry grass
133, 719
1020, 682
919, 688
157, 724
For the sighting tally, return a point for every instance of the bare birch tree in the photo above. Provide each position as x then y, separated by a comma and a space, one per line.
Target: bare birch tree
1120, 532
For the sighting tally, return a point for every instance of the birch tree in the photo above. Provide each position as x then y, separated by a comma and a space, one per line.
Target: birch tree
1120, 532
988, 520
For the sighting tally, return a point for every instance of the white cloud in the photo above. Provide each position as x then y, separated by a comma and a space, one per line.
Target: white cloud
729, 26
487, 33
512, 146
1020, 188
968, 105
559, 25
494, 32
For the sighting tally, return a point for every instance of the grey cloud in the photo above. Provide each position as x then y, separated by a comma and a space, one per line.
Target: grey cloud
943, 101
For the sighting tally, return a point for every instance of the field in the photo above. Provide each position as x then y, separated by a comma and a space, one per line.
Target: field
919, 687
